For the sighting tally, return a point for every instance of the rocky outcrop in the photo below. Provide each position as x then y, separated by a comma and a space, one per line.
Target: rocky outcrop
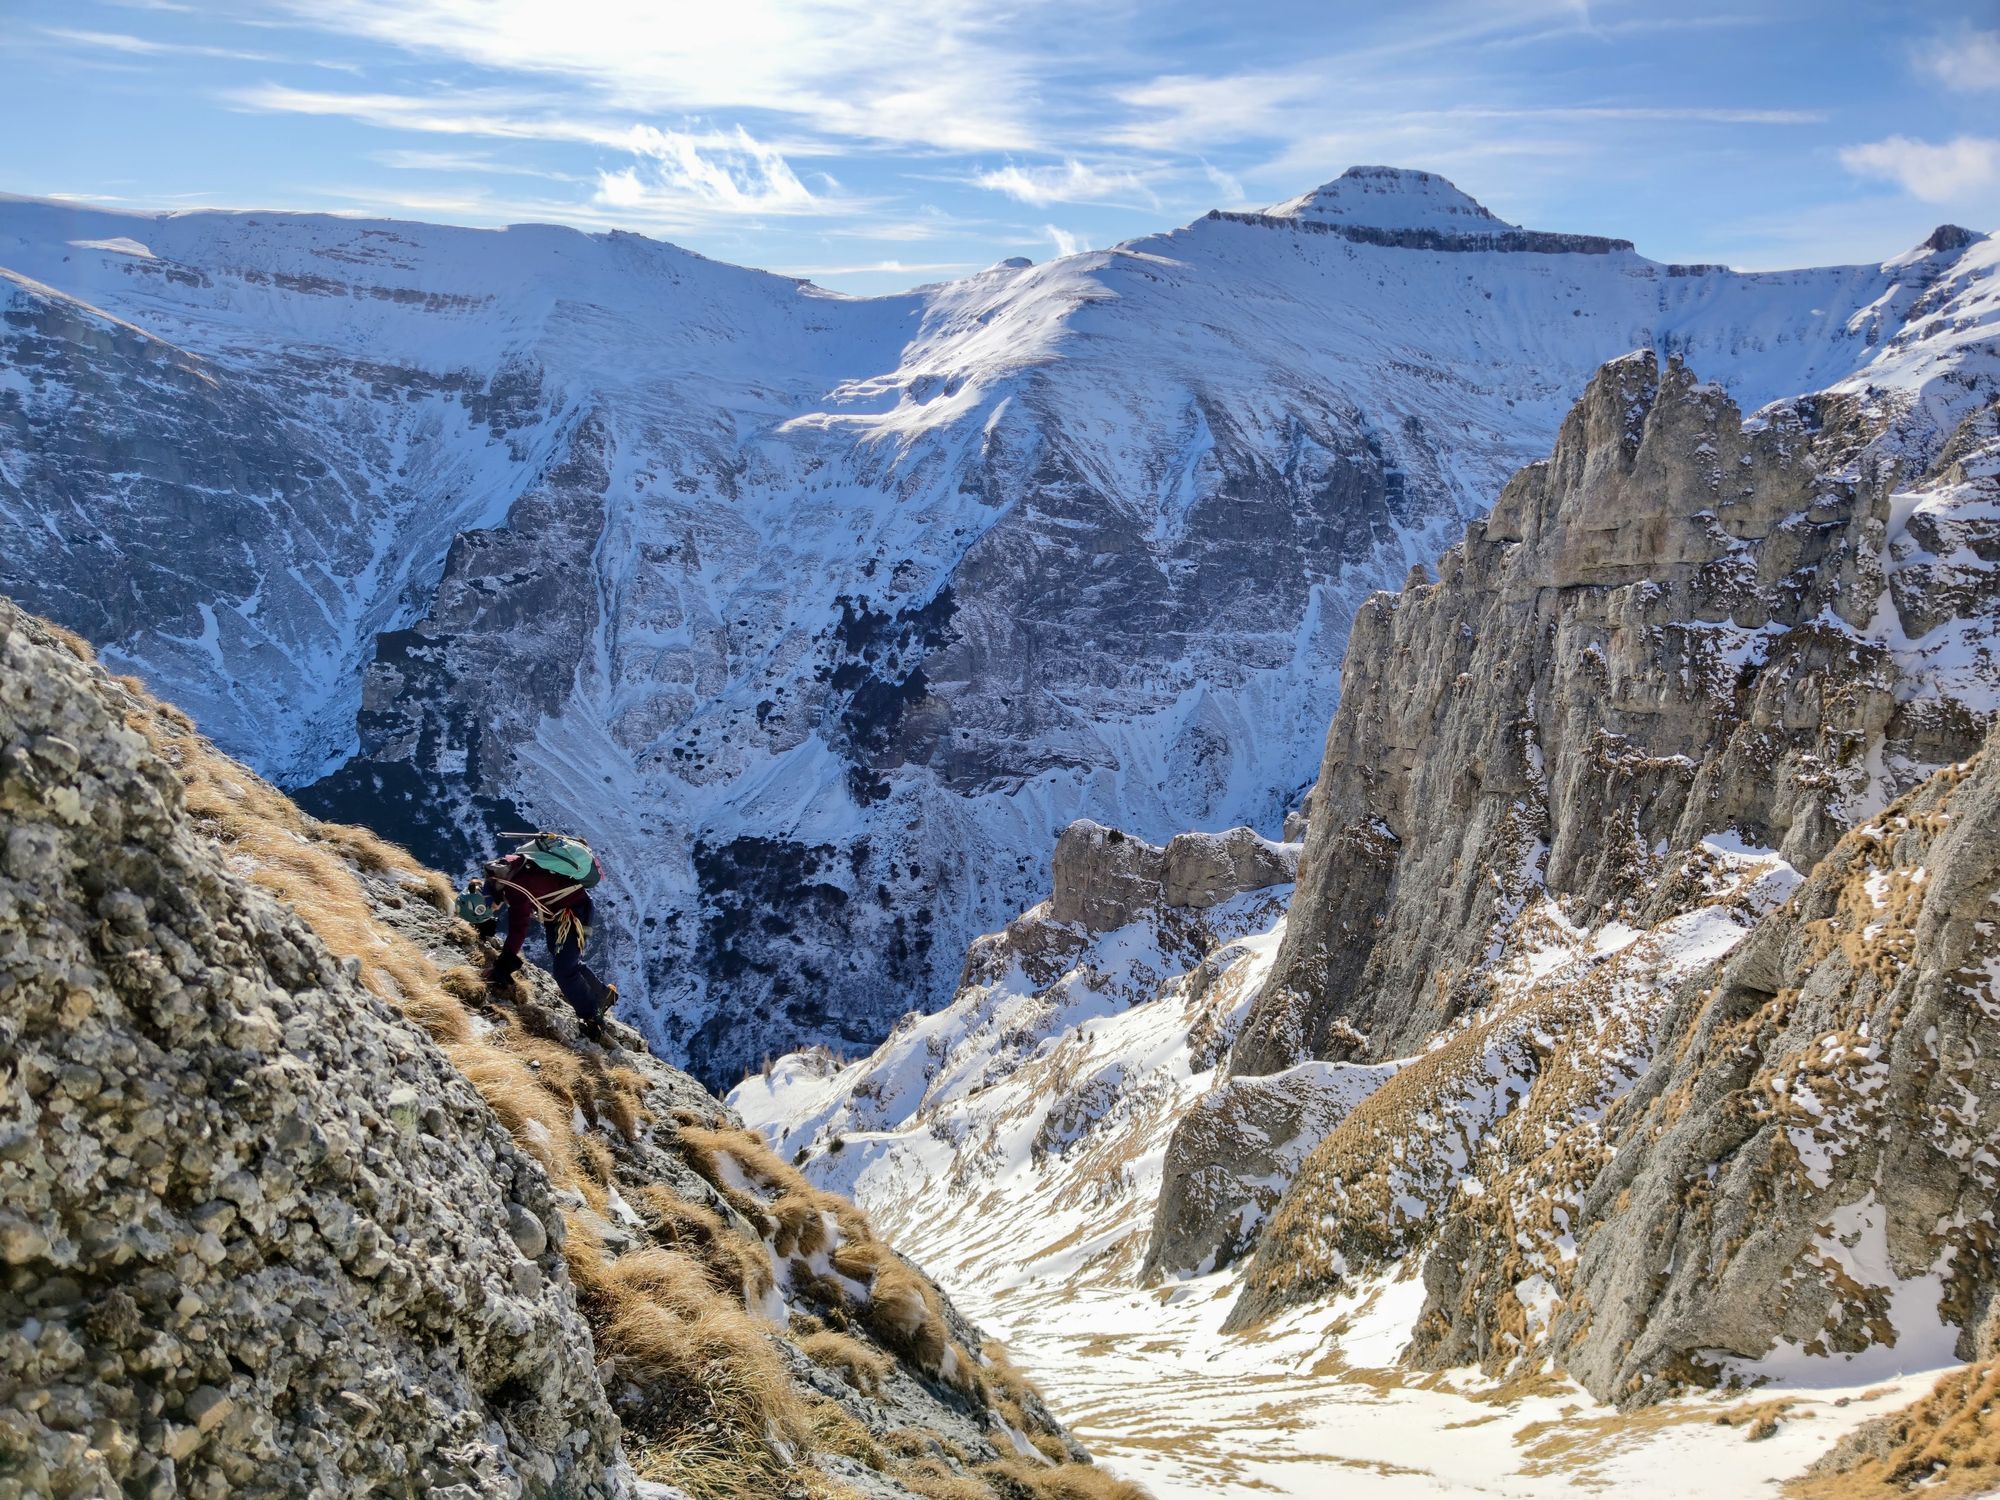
293, 1203
1679, 625
260, 1236
1104, 878
1235, 1152
1659, 1127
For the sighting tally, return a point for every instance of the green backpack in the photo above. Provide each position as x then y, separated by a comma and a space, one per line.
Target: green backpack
562, 855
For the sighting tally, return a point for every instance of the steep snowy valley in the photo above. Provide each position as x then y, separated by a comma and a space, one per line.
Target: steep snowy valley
824, 615
1603, 1093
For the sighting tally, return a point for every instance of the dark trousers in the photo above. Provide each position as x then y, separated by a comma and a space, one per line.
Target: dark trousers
583, 989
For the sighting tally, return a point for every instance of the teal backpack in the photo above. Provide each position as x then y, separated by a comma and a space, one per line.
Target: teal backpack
475, 906
562, 855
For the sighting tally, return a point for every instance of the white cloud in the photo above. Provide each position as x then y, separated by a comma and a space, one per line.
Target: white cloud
1180, 111
1230, 187
1072, 182
138, 46
1936, 174
463, 162
675, 177
949, 74
1964, 59
1065, 242
677, 172
883, 268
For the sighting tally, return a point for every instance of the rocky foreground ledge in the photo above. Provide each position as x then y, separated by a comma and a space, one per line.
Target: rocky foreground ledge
290, 1204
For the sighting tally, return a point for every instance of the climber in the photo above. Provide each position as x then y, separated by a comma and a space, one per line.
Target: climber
546, 880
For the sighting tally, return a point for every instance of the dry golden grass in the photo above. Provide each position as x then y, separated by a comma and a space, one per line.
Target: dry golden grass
860, 1366
734, 1264
713, 1392
936, 1481
83, 651
802, 1228
905, 1313
902, 1308
1024, 1479
835, 1431
538, 1120
1947, 1444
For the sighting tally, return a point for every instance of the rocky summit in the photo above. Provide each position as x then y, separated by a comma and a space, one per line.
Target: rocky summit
847, 605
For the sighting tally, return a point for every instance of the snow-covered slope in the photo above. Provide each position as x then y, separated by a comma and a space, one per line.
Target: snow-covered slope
820, 614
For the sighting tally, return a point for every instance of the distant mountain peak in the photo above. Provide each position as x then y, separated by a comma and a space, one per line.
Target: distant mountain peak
1952, 237
1392, 198
1946, 239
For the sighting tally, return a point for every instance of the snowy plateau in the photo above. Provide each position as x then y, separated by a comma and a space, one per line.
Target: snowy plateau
824, 615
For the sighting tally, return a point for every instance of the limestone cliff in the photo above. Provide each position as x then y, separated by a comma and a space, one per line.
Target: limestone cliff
1677, 625
1665, 1119
1808, 1167
292, 1204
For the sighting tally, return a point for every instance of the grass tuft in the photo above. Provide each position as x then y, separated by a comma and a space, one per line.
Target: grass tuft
860, 1366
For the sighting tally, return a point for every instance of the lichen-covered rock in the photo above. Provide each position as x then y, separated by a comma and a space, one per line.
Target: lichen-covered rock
260, 1237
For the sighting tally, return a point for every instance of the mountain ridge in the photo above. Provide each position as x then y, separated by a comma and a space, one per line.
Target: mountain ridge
532, 509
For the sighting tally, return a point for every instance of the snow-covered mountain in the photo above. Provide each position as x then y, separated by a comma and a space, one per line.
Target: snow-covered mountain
822, 615
1392, 198
1626, 1028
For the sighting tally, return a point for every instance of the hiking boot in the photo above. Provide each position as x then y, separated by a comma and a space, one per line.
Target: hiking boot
595, 1029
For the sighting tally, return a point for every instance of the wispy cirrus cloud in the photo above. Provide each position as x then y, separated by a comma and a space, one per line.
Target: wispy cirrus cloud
677, 172
139, 46
461, 162
1069, 181
1936, 173
947, 74
1176, 111
1065, 242
882, 267
670, 176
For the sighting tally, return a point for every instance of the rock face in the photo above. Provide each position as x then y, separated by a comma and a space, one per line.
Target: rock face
1659, 1123
257, 1230
1473, 1157
276, 1222
1235, 1152
1678, 626
842, 605
1842, 1070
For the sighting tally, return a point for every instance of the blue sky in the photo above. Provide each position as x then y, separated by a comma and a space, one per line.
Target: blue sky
874, 145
